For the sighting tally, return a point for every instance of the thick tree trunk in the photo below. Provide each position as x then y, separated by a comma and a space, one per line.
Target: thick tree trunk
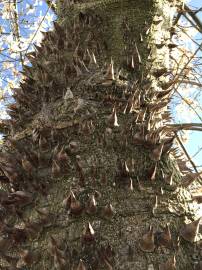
88, 175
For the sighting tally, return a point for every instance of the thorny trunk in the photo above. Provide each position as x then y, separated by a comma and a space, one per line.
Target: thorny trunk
87, 166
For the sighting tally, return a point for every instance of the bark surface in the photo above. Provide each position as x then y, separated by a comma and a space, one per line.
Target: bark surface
89, 176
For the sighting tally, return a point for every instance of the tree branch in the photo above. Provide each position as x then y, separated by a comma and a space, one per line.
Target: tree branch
177, 18
194, 17
187, 155
188, 104
186, 64
16, 30
37, 30
184, 126
51, 5
191, 22
198, 151
192, 83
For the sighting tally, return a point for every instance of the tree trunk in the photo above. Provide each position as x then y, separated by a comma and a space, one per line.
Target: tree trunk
89, 175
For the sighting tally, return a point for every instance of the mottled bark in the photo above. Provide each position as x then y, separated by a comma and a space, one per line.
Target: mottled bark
88, 144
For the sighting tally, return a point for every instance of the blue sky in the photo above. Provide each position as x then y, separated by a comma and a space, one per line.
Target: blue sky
195, 141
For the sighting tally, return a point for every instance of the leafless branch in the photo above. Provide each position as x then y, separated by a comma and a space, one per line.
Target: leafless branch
194, 17
177, 18
192, 83
179, 80
191, 22
51, 5
197, 152
184, 126
16, 31
184, 99
187, 155
37, 29
185, 32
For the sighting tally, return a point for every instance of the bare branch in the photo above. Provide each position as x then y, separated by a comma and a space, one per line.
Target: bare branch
37, 30
181, 72
16, 31
51, 5
192, 83
194, 17
193, 109
187, 155
184, 126
197, 152
185, 32
177, 18
190, 21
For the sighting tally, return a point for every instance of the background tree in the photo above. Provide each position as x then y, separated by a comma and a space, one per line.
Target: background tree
90, 179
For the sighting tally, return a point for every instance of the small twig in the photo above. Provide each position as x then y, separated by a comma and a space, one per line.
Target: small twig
181, 72
191, 22
16, 29
177, 18
178, 127
197, 152
187, 155
51, 5
37, 30
194, 17
182, 29
198, 10
192, 83
188, 104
